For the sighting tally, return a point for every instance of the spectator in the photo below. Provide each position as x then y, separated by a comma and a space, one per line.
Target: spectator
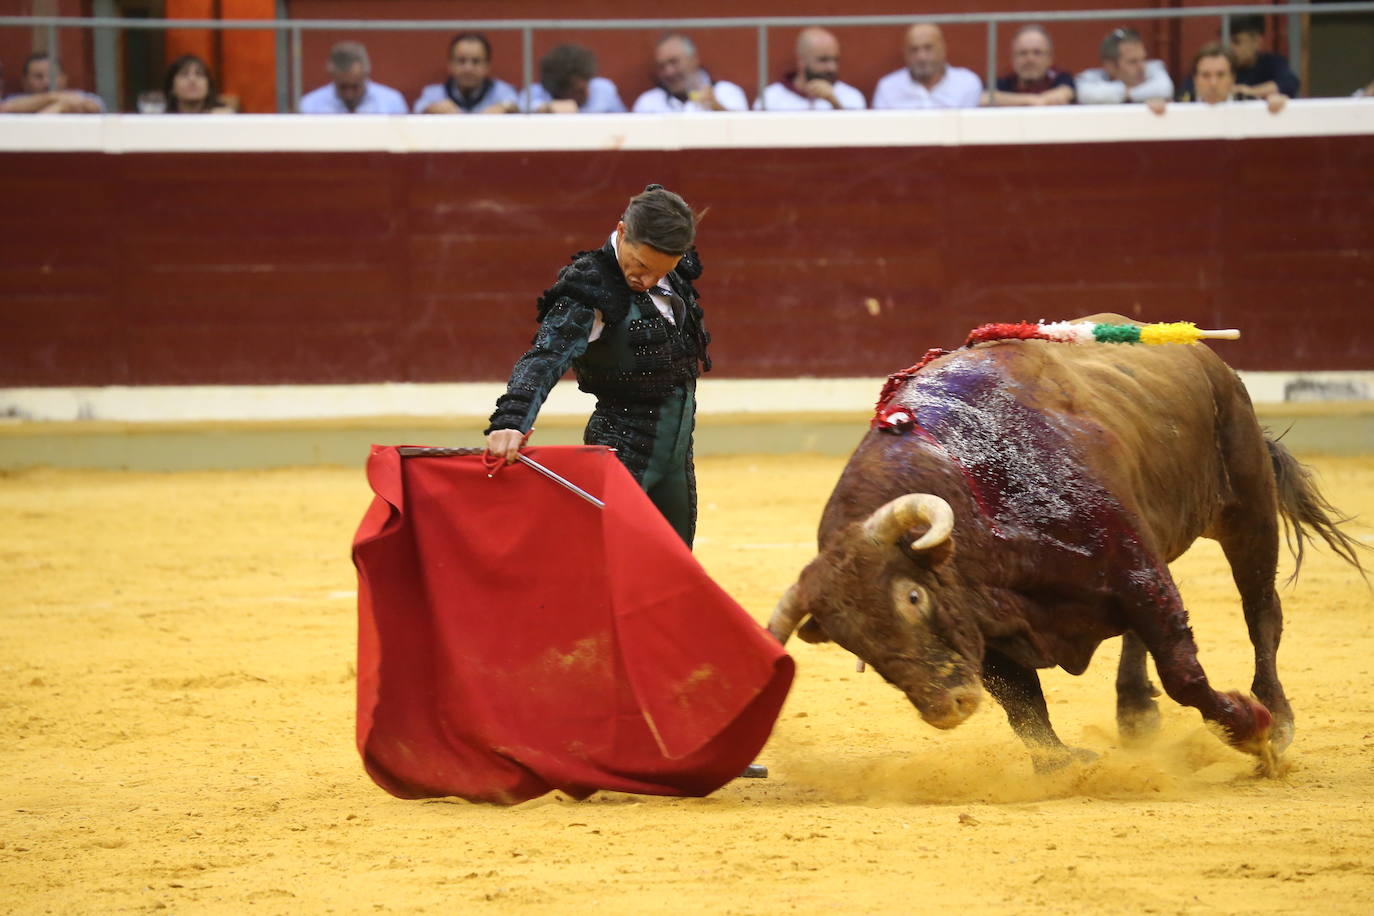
815, 85
46, 93
1125, 75
350, 90
568, 84
1214, 79
470, 87
1033, 80
927, 81
190, 88
683, 85
1259, 74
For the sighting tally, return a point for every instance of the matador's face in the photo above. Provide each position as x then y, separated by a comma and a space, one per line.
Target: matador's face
642, 265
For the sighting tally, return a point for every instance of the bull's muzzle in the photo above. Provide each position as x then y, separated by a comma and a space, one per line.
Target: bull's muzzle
949, 708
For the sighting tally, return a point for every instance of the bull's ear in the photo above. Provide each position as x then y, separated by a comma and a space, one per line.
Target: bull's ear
812, 631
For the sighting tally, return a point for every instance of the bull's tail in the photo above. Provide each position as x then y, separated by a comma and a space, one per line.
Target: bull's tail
1305, 511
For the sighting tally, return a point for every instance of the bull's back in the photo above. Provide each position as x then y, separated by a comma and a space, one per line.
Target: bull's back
1141, 422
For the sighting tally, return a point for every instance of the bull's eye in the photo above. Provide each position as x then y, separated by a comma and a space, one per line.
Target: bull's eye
909, 600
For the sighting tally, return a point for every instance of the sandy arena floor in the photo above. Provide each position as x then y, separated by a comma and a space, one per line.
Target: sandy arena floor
177, 713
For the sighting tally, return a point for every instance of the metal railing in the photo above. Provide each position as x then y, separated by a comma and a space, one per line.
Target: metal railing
289, 30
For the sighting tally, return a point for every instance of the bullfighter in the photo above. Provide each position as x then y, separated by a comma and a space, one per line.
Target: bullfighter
626, 318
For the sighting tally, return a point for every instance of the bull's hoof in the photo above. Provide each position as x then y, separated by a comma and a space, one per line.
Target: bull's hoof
1053, 759
1268, 763
1281, 731
1281, 734
1137, 724
1249, 727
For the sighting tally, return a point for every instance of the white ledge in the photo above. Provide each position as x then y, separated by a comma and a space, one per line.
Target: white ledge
762, 398
122, 133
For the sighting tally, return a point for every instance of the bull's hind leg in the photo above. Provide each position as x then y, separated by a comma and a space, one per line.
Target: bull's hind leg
1249, 537
1017, 689
1137, 713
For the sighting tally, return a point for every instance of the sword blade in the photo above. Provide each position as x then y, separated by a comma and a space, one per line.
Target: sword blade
561, 480
416, 452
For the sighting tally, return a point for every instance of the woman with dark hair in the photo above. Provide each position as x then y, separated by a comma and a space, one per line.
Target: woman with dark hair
625, 317
190, 88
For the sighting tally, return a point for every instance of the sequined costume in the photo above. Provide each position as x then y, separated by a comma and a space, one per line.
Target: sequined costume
642, 369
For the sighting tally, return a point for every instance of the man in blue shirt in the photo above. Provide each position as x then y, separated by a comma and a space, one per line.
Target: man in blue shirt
350, 91
470, 87
568, 84
46, 92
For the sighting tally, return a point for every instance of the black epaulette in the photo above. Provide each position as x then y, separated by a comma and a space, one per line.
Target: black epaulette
585, 280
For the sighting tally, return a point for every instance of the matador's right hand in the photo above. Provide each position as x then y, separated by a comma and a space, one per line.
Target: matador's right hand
506, 443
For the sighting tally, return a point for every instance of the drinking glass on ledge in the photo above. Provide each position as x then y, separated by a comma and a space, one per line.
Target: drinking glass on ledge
152, 102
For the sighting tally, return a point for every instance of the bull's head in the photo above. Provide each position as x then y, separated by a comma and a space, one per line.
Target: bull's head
886, 589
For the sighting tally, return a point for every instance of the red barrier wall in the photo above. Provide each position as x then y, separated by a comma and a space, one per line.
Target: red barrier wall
361, 267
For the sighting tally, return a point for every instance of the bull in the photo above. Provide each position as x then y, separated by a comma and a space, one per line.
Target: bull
1017, 503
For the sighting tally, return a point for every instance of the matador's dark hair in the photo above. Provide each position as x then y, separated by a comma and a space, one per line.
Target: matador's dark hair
661, 219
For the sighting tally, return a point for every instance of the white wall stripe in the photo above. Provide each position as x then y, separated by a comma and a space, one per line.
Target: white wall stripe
724, 130
716, 397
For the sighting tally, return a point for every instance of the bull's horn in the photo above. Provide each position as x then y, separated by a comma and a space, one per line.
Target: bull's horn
786, 615
890, 520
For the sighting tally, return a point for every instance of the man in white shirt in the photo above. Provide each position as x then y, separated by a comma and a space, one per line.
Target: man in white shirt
349, 90
815, 85
927, 80
1125, 75
683, 85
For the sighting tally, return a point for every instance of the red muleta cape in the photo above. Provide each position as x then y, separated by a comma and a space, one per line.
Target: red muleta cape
514, 639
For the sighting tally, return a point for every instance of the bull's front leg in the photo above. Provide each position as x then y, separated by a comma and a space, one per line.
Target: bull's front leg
1137, 713
1017, 689
1162, 624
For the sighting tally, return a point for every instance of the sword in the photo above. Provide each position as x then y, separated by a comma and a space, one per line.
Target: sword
560, 480
410, 452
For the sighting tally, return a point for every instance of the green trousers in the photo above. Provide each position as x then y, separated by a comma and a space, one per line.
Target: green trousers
670, 477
